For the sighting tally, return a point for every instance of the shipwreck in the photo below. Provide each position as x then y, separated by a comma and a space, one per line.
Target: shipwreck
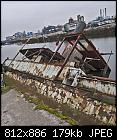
77, 76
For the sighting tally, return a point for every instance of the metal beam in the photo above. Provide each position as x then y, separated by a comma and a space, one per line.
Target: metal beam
86, 64
98, 54
106, 67
56, 50
39, 52
82, 46
75, 47
67, 58
19, 51
26, 57
30, 55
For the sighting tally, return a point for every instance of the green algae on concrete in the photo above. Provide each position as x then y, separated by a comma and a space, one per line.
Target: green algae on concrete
41, 106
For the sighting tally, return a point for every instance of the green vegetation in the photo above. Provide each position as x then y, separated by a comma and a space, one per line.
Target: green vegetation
10, 83
7, 85
5, 89
40, 105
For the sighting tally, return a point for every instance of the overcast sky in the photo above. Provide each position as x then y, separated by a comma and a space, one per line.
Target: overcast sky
34, 15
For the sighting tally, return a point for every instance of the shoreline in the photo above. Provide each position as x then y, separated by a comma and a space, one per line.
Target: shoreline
97, 32
90, 33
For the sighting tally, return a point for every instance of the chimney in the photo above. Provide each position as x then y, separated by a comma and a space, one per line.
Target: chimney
105, 12
100, 13
78, 18
82, 18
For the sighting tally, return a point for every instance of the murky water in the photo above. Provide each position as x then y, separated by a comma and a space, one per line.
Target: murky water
106, 45
103, 44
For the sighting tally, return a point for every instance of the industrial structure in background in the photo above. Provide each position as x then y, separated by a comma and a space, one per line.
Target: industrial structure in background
51, 29
103, 19
22, 35
70, 26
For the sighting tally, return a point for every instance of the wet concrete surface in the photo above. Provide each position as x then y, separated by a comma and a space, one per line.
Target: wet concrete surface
18, 112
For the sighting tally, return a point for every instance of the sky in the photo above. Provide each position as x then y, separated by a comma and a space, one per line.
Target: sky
17, 16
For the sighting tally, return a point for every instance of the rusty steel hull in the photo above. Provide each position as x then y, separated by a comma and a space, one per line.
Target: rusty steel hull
37, 69
102, 86
48, 71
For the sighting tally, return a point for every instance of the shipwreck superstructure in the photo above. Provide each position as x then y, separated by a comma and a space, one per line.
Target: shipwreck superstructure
78, 66
79, 55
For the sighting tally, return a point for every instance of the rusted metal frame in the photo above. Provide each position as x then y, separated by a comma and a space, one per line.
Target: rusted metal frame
76, 46
39, 53
88, 65
42, 47
109, 57
36, 62
57, 50
82, 46
91, 44
72, 35
104, 62
22, 58
106, 67
64, 49
5, 60
90, 60
36, 58
19, 51
30, 55
104, 79
107, 53
26, 57
67, 58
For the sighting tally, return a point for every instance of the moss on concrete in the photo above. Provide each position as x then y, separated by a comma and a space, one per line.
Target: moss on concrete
5, 89
41, 106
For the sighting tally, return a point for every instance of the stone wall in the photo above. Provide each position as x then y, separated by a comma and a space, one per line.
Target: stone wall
66, 95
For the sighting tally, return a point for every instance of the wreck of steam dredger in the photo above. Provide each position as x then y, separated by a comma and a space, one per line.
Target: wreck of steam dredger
70, 77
